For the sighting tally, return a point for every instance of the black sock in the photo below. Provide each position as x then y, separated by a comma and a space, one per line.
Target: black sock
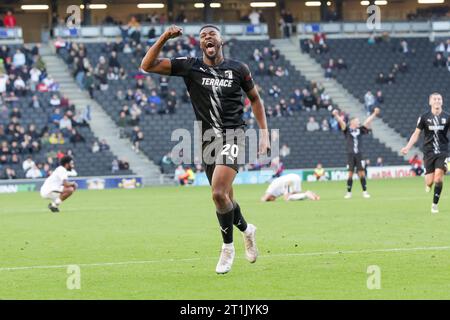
226, 225
437, 192
364, 183
349, 185
239, 220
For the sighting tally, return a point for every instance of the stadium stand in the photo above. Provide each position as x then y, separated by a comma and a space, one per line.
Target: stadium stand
408, 60
157, 121
31, 112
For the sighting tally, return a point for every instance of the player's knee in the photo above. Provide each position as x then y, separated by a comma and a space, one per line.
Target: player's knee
438, 180
219, 196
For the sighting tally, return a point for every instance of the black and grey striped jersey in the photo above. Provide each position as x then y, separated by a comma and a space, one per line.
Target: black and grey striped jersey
353, 138
435, 128
215, 91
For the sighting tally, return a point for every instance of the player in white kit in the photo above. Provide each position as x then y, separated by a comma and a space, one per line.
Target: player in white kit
57, 188
289, 186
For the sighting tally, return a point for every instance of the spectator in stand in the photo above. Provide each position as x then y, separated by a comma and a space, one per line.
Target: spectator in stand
439, 61
404, 47
275, 91
76, 137
257, 56
19, 59
261, 70
380, 162
312, 125
330, 66
319, 172
65, 124
114, 60
403, 68
124, 165
9, 20
341, 65
104, 146
416, 165
448, 63
381, 79
379, 98
35, 75
115, 166
33, 173
325, 126
171, 102
391, 78
285, 151
56, 117
27, 164
309, 101
136, 137
369, 101
281, 72
9, 174
95, 147
254, 17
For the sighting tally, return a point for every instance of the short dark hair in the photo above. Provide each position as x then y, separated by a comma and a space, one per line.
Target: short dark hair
209, 26
65, 160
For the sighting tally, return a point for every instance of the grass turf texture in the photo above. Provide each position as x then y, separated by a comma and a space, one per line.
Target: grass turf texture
172, 236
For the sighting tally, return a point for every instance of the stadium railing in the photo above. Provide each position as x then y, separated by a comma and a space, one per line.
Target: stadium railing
10, 33
108, 31
361, 27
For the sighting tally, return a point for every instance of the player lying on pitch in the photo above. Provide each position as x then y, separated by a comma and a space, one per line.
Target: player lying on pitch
435, 124
289, 186
57, 188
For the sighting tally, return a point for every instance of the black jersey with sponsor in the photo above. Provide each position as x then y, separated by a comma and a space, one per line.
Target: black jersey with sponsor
353, 138
435, 130
215, 91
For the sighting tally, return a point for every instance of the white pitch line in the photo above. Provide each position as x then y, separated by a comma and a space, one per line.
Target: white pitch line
304, 254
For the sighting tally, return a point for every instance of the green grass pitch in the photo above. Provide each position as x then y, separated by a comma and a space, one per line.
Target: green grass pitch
163, 243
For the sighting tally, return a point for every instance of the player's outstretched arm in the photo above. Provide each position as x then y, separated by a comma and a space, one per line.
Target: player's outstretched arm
372, 117
412, 141
151, 62
260, 116
341, 122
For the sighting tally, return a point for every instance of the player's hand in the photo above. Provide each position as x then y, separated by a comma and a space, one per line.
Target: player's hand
335, 113
264, 143
376, 111
172, 32
404, 151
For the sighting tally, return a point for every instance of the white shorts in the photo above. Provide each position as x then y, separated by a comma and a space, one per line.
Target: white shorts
52, 193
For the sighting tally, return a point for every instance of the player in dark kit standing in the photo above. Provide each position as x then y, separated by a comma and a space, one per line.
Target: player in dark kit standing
435, 124
215, 86
353, 134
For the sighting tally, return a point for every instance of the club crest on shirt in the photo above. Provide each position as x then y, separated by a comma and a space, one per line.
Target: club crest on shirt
229, 74
444, 121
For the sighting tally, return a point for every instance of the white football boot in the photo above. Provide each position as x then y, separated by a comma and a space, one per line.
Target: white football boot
226, 259
434, 208
251, 251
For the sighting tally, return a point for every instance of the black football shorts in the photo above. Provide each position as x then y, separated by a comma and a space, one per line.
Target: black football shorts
227, 150
435, 161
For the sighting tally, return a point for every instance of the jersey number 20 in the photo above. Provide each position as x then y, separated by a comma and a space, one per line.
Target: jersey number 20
230, 149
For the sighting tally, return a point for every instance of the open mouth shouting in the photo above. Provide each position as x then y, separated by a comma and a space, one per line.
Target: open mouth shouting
210, 48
